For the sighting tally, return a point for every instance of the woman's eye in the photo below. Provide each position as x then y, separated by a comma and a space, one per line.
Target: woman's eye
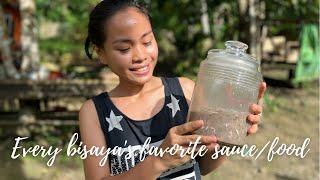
124, 50
148, 43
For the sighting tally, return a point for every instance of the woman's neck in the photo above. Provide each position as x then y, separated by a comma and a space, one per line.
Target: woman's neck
126, 88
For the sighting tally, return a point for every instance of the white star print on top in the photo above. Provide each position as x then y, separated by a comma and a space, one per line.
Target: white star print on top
174, 105
114, 121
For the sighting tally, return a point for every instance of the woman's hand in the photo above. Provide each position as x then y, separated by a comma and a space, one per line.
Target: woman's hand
256, 111
182, 136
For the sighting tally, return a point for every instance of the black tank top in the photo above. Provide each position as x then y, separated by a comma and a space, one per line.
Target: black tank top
121, 131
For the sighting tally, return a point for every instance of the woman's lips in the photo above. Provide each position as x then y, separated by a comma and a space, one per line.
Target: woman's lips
142, 71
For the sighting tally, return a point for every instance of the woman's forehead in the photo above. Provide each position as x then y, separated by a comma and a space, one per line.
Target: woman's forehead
128, 23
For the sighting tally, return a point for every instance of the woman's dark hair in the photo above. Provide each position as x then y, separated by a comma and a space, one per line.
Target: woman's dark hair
101, 13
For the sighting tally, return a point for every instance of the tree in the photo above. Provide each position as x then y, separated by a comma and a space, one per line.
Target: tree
5, 50
181, 26
29, 39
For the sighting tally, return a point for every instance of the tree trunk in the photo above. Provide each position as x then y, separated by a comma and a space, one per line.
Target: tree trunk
29, 39
256, 12
253, 27
243, 7
205, 18
5, 49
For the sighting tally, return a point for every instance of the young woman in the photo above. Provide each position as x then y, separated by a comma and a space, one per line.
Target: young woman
141, 105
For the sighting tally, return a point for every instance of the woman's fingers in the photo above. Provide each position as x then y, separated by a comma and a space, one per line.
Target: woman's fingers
262, 89
253, 129
253, 119
255, 109
209, 147
212, 146
187, 127
185, 140
185, 159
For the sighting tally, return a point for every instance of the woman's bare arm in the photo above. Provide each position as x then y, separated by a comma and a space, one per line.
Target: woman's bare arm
92, 135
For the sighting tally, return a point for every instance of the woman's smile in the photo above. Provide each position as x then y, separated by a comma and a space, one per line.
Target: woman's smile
141, 70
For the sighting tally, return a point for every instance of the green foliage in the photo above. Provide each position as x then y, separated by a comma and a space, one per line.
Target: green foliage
73, 18
183, 19
178, 28
292, 9
271, 103
58, 46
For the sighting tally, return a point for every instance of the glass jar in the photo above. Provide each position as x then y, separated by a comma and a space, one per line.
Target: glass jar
227, 84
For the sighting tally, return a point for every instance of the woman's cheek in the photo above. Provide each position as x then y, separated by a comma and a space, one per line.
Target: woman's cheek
153, 51
150, 49
122, 60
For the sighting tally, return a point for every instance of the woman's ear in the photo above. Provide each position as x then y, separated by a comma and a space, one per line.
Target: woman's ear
101, 55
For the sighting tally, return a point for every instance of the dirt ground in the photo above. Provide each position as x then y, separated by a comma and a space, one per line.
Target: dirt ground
290, 114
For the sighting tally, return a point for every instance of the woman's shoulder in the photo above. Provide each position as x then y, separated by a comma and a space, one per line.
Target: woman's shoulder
88, 116
87, 109
187, 86
184, 81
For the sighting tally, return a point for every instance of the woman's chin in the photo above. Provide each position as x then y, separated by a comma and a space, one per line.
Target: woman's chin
139, 79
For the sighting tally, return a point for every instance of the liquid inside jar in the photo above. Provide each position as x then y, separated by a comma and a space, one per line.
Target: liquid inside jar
227, 125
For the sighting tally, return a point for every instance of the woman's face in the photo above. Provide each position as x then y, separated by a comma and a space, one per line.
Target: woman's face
130, 49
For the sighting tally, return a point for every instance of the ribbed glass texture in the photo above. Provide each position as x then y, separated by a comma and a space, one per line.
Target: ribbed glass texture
227, 83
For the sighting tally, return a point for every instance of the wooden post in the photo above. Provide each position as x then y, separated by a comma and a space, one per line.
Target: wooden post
29, 39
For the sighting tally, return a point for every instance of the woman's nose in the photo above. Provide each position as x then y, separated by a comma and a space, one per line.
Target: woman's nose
139, 54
